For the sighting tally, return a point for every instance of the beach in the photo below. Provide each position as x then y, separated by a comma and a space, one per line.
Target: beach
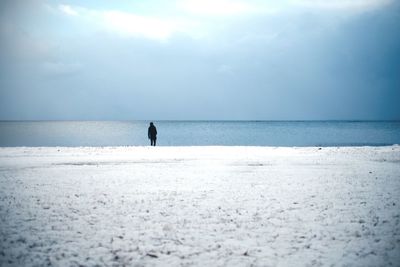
199, 206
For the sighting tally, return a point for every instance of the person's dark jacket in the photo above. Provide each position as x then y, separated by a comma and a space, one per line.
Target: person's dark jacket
152, 132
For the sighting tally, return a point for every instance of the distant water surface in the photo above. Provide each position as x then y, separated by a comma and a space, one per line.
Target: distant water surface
199, 133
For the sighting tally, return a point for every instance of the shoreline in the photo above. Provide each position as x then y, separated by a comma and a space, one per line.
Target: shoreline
208, 146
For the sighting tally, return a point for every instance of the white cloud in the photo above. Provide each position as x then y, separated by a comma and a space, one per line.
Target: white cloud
130, 24
66, 9
216, 7
197, 18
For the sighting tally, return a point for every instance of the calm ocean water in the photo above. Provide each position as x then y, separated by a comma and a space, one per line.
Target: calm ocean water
198, 133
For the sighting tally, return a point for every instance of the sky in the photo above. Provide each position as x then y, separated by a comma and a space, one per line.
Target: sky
200, 60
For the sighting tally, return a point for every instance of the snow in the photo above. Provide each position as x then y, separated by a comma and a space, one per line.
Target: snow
215, 206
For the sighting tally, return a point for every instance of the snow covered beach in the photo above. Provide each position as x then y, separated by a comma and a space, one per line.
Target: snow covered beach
215, 206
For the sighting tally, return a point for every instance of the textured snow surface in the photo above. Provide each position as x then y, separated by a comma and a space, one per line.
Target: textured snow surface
203, 206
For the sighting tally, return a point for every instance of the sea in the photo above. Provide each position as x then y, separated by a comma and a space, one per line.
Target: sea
200, 133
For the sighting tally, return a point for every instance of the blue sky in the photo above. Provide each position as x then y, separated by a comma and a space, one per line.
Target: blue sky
220, 59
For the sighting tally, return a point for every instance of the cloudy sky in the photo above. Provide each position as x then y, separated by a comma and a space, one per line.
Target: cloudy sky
200, 59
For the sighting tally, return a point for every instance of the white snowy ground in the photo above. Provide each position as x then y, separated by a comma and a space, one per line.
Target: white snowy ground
203, 206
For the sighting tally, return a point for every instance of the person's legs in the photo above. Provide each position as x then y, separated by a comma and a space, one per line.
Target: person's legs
151, 142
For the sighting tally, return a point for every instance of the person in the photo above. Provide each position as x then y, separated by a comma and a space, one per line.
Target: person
152, 134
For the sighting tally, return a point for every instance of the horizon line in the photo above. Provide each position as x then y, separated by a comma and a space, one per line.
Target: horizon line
206, 120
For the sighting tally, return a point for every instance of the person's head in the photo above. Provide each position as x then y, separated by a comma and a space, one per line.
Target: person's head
151, 123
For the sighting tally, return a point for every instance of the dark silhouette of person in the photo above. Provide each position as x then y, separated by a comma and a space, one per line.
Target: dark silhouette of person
152, 134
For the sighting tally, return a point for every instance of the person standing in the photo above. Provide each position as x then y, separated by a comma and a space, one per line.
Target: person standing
152, 134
